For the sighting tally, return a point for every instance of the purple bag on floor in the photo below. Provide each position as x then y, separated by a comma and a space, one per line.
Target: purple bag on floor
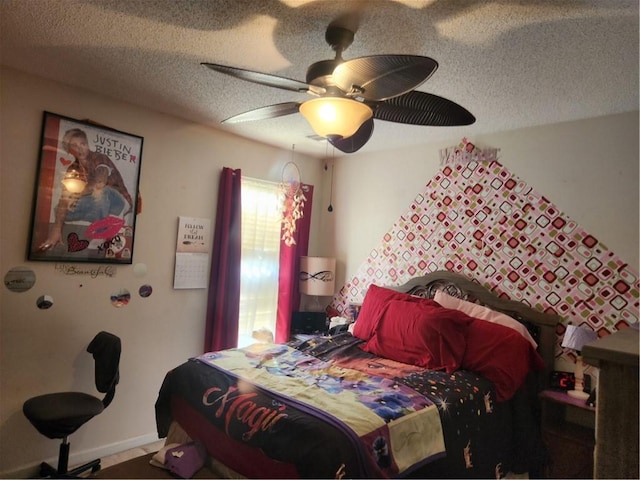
185, 460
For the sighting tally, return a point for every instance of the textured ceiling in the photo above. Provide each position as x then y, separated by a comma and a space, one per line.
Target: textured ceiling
512, 63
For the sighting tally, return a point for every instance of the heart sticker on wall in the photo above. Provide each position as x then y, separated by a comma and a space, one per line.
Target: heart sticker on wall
74, 244
65, 162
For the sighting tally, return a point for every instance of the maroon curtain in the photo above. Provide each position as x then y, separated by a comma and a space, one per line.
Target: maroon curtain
223, 302
288, 292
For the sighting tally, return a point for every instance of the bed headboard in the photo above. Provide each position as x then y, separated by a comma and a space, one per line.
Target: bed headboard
541, 325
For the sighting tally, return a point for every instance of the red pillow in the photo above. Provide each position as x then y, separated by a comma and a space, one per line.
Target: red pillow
501, 355
422, 334
373, 305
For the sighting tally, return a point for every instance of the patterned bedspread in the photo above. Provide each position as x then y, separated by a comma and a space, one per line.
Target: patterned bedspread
476, 429
331, 410
393, 423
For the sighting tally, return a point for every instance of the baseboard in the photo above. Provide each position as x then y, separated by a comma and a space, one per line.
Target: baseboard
78, 458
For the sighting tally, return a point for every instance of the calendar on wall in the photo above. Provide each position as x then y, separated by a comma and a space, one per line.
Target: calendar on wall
192, 253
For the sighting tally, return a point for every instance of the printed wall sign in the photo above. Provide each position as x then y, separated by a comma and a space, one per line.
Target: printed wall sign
193, 235
192, 253
466, 152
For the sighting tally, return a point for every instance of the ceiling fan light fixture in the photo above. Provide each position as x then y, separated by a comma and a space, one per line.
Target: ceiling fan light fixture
335, 116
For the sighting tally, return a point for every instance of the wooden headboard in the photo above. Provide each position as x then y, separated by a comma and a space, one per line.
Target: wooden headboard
541, 325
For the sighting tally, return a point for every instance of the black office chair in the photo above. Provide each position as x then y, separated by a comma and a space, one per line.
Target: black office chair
58, 415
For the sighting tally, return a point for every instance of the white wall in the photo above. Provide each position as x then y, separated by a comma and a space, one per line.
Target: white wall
588, 169
43, 351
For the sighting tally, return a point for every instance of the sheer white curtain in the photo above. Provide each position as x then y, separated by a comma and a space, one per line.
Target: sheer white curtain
261, 230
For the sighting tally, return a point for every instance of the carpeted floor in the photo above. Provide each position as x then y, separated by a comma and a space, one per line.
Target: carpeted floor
139, 467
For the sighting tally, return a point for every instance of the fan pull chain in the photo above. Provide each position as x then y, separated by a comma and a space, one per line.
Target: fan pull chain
330, 208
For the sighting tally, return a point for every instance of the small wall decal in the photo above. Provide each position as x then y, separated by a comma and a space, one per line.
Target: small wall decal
140, 269
145, 291
44, 302
466, 152
120, 298
19, 279
86, 270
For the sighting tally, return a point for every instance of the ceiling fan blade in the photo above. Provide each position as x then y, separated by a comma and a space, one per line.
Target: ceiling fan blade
380, 77
356, 141
264, 113
266, 79
419, 108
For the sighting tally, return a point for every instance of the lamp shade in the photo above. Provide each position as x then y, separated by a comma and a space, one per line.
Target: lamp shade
335, 116
577, 337
317, 276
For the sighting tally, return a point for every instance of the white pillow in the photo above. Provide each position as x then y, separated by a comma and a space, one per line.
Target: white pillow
483, 313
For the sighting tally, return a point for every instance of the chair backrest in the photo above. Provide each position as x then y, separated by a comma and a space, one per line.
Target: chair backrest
105, 348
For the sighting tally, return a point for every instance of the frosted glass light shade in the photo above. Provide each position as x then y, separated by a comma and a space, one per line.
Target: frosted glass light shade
335, 116
317, 276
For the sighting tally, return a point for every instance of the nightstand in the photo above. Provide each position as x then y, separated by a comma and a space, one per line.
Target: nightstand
617, 356
309, 322
568, 427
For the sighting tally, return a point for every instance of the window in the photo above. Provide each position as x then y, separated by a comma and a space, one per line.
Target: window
260, 257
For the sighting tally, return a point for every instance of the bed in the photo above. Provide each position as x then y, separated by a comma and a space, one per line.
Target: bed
438, 379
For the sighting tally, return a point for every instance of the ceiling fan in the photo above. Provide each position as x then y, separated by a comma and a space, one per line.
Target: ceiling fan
354, 93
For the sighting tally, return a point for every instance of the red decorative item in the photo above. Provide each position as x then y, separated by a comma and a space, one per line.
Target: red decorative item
106, 228
74, 244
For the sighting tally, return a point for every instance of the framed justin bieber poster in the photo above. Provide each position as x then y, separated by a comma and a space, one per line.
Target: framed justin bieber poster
86, 193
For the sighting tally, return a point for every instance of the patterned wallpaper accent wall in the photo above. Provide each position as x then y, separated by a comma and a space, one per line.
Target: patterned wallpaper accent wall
480, 220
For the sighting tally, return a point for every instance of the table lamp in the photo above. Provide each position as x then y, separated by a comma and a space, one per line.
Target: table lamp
317, 277
575, 338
